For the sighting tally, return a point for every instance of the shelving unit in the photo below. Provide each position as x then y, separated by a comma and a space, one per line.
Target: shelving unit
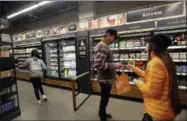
178, 53
9, 99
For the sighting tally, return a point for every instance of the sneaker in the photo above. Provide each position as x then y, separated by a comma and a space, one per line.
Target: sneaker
39, 102
44, 97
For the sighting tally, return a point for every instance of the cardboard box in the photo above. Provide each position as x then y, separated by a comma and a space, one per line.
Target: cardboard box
4, 53
4, 74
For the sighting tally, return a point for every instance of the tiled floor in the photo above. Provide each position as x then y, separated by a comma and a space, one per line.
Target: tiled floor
59, 106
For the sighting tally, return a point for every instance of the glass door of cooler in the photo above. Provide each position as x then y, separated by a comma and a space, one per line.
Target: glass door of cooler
67, 58
51, 59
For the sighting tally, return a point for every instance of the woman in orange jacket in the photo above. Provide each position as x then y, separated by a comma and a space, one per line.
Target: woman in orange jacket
159, 88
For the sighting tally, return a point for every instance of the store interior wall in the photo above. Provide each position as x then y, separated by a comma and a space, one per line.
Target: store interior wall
101, 8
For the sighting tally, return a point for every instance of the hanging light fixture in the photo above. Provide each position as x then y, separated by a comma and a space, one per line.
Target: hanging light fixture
29, 9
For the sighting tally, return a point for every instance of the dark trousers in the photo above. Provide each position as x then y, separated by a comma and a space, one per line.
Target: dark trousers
37, 87
105, 95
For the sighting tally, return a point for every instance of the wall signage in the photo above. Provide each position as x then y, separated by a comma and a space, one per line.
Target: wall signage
82, 47
138, 26
174, 22
149, 14
31, 34
83, 25
94, 24
108, 21
72, 27
46, 32
39, 33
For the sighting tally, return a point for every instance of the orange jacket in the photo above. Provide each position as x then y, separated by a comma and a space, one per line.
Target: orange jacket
155, 90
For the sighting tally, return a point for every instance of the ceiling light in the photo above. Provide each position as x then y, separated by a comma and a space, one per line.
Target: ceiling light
28, 9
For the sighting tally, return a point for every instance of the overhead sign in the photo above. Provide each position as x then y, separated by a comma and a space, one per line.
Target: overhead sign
155, 13
46, 32
39, 33
83, 25
94, 24
108, 21
102, 31
174, 22
138, 26
62, 29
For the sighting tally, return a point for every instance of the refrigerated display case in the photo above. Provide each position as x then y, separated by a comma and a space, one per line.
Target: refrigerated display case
60, 57
51, 59
67, 58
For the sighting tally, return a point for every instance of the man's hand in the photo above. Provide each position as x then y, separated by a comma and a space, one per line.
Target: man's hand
119, 66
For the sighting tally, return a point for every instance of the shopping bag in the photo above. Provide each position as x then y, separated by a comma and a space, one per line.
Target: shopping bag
122, 84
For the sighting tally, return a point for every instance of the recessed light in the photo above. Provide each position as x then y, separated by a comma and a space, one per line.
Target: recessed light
2, 26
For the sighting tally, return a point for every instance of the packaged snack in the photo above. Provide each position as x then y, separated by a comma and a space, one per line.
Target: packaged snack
171, 54
132, 55
176, 55
182, 55
138, 55
183, 68
129, 43
143, 55
177, 69
142, 42
131, 62
139, 64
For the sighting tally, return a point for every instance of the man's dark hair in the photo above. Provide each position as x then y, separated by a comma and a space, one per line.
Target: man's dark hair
35, 53
112, 32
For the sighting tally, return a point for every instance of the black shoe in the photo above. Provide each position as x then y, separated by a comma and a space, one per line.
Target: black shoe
103, 119
108, 116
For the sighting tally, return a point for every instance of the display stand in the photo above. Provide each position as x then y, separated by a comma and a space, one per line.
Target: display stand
83, 63
9, 99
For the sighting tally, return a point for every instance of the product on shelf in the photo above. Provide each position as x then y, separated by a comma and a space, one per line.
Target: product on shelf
116, 56
139, 64
7, 105
183, 55
5, 37
130, 43
138, 55
181, 68
132, 56
183, 82
4, 53
4, 74
143, 55
132, 62
123, 44
176, 55
179, 39
68, 48
124, 56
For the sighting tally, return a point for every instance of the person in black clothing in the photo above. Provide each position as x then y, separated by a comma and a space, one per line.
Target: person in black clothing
36, 67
